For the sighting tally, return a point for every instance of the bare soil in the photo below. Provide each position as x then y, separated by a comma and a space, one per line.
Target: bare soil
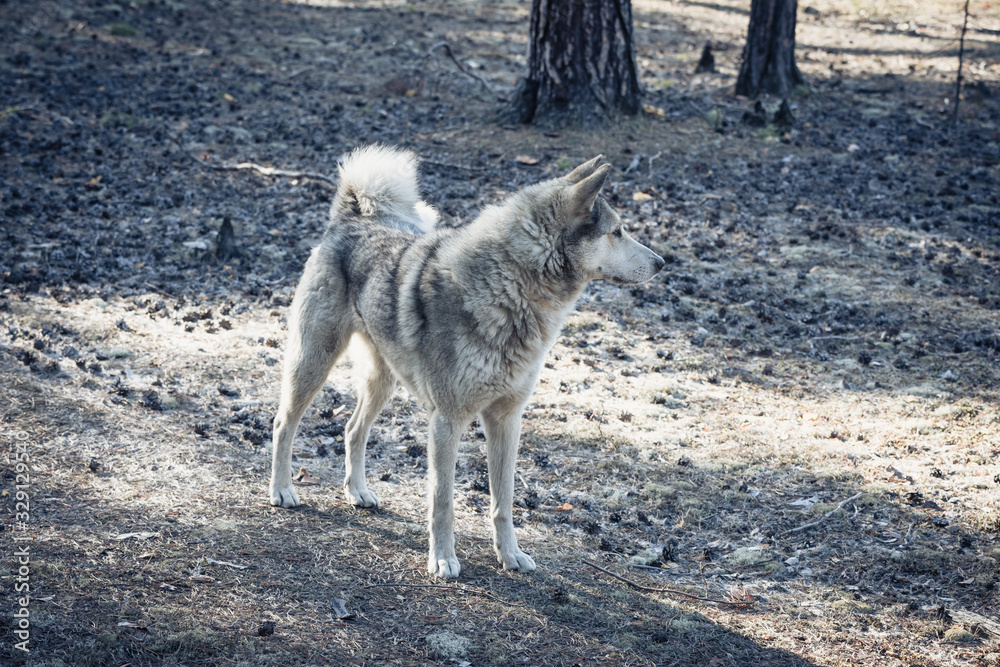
826, 331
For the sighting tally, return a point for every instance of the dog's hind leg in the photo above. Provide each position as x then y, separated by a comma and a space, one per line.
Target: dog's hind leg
316, 338
445, 431
373, 393
503, 431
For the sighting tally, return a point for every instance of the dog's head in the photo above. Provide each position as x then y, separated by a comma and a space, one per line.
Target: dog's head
592, 237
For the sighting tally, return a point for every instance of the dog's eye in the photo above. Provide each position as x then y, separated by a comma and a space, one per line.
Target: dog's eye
617, 233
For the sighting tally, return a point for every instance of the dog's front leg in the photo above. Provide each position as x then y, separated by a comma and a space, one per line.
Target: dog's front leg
503, 432
445, 432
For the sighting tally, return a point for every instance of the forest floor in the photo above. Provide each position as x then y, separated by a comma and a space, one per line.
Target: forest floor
822, 348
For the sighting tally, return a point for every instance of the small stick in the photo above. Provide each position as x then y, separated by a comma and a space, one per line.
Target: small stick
457, 589
447, 50
271, 171
447, 165
671, 591
825, 516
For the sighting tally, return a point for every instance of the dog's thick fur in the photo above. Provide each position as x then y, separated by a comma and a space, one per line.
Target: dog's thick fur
462, 317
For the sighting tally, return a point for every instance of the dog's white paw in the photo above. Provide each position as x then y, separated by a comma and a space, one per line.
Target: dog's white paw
284, 496
360, 496
446, 568
516, 559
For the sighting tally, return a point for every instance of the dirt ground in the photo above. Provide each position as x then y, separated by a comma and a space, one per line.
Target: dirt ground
821, 349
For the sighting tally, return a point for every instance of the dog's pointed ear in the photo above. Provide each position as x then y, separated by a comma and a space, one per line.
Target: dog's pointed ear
584, 170
584, 193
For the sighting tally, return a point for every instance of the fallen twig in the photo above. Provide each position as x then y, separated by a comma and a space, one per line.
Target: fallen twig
670, 591
159, 291
634, 164
448, 165
447, 50
651, 158
456, 589
822, 518
212, 561
271, 171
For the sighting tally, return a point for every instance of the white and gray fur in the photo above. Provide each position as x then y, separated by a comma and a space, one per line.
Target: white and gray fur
463, 318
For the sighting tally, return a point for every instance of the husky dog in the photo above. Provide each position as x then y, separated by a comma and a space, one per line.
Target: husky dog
463, 318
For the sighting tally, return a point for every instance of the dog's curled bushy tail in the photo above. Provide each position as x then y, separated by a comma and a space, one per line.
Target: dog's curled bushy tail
381, 182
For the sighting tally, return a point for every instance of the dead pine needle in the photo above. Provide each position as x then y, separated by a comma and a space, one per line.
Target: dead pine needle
836, 509
455, 589
746, 600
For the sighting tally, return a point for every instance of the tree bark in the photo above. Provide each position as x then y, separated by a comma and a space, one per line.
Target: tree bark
581, 63
769, 54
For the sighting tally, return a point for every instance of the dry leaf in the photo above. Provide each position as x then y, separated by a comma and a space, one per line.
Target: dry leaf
641, 196
526, 159
654, 111
305, 478
565, 507
148, 554
227, 97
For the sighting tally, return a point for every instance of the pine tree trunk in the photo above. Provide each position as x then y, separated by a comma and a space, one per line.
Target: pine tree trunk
769, 54
581, 64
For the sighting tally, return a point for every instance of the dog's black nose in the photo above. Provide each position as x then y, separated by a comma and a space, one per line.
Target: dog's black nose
659, 263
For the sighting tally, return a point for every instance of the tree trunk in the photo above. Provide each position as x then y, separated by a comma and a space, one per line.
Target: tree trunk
581, 64
769, 54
